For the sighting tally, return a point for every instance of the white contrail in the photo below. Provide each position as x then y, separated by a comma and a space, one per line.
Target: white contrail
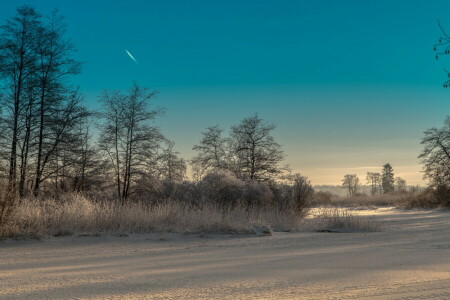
131, 56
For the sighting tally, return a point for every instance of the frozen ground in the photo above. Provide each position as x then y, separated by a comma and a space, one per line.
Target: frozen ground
410, 259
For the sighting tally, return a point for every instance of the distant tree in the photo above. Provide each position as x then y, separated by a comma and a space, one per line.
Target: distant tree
387, 179
415, 189
435, 155
351, 182
400, 184
255, 153
374, 180
211, 152
170, 165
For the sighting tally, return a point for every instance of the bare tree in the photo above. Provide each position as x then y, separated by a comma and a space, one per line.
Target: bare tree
167, 172
17, 64
59, 136
171, 166
374, 180
127, 136
35, 63
89, 165
351, 182
27, 133
211, 152
302, 193
77, 164
255, 153
442, 47
111, 131
400, 184
436, 155
57, 105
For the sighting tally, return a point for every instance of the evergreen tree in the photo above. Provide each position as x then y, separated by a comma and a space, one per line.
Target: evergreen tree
387, 179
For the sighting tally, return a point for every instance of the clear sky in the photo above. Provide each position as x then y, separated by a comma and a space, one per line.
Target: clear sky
350, 85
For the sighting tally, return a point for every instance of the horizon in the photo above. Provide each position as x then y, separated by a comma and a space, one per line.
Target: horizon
350, 85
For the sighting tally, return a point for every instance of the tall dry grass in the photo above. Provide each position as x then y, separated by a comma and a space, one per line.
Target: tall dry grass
79, 215
341, 220
8, 201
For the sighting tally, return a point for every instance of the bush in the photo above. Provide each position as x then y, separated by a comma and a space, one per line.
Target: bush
257, 194
423, 199
222, 188
442, 194
151, 190
302, 194
188, 193
429, 198
282, 195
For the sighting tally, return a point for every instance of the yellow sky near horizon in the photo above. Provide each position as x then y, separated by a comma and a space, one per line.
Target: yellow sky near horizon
327, 164
333, 176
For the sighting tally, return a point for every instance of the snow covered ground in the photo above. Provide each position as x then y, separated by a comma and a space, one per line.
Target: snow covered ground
410, 259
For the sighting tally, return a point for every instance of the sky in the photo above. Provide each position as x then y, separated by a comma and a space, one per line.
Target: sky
350, 85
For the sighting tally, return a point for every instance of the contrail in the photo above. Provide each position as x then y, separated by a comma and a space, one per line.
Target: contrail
131, 56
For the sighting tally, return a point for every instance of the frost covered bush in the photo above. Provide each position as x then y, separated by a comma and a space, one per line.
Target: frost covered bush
257, 194
221, 187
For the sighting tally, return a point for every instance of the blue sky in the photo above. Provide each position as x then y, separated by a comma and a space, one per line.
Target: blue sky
351, 85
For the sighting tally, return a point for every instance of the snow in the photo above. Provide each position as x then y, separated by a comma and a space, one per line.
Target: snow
410, 259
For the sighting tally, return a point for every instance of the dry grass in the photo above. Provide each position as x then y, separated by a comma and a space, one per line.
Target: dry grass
79, 215
342, 220
7, 204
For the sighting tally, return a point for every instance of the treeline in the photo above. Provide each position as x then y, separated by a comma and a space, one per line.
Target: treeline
42, 119
379, 183
48, 145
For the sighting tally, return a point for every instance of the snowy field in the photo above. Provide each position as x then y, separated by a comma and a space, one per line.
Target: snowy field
409, 259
